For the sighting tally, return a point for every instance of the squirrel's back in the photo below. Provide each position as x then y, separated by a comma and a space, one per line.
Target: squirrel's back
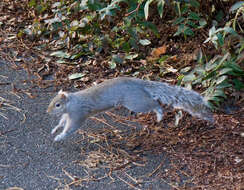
143, 95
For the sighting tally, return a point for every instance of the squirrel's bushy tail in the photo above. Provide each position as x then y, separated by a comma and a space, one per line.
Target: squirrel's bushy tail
181, 98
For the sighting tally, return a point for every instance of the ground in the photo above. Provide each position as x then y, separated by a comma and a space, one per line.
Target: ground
31, 160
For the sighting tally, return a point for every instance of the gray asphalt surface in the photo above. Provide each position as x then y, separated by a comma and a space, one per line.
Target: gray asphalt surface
30, 160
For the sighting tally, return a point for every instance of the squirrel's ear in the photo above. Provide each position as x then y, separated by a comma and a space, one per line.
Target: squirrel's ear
63, 96
60, 92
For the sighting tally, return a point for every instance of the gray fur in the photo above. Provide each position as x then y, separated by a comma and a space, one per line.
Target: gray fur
135, 94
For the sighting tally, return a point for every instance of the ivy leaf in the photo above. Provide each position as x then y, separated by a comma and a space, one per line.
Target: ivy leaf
131, 57
112, 65
161, 7
146, 8
221, 79
219, 93
238, 84
76, 76
189, 78
60, 54
193, 16
224, 84
144, 42
179, 20
224, 71
180, 30
202, 23
194, 3
117, 59
188, 31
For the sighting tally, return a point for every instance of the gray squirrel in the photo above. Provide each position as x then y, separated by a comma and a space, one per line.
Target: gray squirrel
137, 95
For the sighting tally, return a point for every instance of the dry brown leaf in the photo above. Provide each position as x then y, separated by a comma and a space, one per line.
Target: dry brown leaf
156, 52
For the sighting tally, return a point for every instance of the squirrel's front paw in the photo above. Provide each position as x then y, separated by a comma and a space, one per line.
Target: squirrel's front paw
60, 137
53, 131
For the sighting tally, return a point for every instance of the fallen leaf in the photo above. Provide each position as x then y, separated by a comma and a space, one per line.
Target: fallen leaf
76, 76
156, 52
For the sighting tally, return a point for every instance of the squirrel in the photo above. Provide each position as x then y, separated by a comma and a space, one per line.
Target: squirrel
135, 94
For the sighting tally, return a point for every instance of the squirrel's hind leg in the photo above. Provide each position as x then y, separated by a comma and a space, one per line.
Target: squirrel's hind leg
159, 113
61, 123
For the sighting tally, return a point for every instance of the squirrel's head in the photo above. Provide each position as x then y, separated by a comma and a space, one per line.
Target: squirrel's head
58, 104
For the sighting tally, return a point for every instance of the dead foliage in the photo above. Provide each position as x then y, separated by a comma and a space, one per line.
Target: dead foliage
201, 156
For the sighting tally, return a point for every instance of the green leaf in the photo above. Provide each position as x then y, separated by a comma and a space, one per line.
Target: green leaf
180, 30
220, 93
230, 30
112, 65
224, 84
224, 58
60, 54
199, 70
133, 43
117, 59
236, 6
161, 7
32, 3
189, 78
220, 39
126, 47
179, 20
163, 58
193, 16
151, 26
242, 47
146, 8
144, 42
238, 84
209, 75
61, 61
188, 31
185, 70
194, 3
214, 98
131, 57
202, 23
224, 71
221, 79
191, 24
236, 68
211, 105
220, 15
76, 76
78, 55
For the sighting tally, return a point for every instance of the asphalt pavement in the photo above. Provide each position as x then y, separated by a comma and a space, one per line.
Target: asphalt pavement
30, 160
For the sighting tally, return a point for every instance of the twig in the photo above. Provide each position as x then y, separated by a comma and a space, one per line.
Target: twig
159, 166
129, 184
137, 8
67, 173
102, 121
5, 83
133, 179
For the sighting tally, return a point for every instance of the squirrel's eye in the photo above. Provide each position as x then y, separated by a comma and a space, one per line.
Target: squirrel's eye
57, 105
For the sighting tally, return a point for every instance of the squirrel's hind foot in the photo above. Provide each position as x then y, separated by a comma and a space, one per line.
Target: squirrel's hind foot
60, 137
159, 114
